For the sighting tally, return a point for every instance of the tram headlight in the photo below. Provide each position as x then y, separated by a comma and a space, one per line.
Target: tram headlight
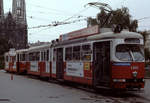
119, 80
143, 80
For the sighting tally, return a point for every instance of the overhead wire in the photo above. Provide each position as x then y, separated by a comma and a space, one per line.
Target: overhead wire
56, 23
143, 18
76, 14
49, 13
56, 10
39, 31
37, 18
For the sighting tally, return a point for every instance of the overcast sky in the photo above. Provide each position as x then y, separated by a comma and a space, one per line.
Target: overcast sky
44, 12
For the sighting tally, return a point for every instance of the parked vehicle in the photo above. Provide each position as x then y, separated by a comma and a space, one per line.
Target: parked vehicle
90, 56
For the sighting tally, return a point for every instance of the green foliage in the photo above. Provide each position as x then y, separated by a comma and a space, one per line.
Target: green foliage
1, 62
147, 52
102, 18
4, 47
117, 17
144, 34
91, 21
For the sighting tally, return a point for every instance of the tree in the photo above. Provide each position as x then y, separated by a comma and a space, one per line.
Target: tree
144, 34
91, 21
4, 47
115, 17
147, 51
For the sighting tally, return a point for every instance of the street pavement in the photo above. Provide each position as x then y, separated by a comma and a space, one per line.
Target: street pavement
24, 89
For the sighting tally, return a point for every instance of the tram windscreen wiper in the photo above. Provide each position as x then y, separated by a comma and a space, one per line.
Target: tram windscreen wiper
129, 52
123, 53
138, 55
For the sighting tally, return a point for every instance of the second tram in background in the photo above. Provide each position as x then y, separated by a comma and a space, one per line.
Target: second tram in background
90, 56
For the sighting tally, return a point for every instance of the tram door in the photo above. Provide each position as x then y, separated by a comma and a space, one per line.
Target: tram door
59, 64
101, 63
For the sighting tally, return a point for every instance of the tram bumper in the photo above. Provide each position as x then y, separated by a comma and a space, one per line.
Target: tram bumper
128, 84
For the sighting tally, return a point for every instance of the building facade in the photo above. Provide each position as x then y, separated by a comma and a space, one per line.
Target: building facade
13, 25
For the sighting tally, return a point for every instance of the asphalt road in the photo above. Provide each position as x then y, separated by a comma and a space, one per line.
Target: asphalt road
23, 89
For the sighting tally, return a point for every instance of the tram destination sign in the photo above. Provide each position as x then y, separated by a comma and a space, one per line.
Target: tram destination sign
80, 33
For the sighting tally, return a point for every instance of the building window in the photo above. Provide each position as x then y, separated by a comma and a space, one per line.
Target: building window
18, 3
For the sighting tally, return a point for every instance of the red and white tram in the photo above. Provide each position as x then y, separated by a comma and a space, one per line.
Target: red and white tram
91, 56
10, 61
39, 63
109, 59
21, 58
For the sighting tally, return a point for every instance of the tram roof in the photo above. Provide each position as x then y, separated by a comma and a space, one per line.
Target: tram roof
21, 50
104, 35
39, 47
112, 35
6, 53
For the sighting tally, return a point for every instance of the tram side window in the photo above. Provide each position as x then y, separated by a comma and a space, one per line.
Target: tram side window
54, 55
76, 53
13, 58
47, 55
22, 57
86, 52
42, 57
68, 53
6, 59
30, 56
35, 56
26, 57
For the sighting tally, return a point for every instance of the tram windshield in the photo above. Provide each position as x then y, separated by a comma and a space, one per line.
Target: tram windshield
130, 52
